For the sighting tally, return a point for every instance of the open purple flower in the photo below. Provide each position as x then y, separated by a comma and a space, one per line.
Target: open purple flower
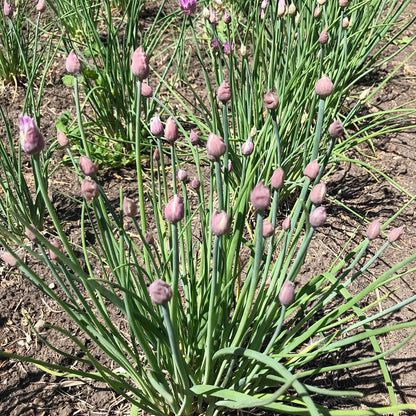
31, 138
188, 6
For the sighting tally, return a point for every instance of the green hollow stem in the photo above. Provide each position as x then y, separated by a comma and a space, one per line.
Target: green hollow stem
79, 119
318, 130
276, 132
226, 156
219, 185
173, 162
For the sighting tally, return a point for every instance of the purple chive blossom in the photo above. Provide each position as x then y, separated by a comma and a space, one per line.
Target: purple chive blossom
278, 178
188, 6
324, 87
286, 224
195, 183
213, 18
220, 223
182, 175
160, 292
260, 196
31, 139
89, 189
228, 48
215, 44
224, 92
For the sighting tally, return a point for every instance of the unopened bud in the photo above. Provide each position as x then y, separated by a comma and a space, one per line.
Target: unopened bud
271, 101
8, 258
318, 193
215, 146
87, 166
281, 8
317, 12
205, 13
324, 87
156, 126
373, 230
312, 169
156, 155
31, 139
318, 217
227, 17
140, 64
72, 64
160, 292
287, 293
193, 137
286, 223
247, 147
182, 175
243, 51
195, 183
224, 92
58, 245
175, 210
365, 94
395, 234
89, 189
146, 90
292, 9
336, 129
278, 178
323, 37
62, 138
260, 196
220, 223
149, 238
268, 229
29, 233
7, 9
40, 7
343, 3
129, 208
171, 130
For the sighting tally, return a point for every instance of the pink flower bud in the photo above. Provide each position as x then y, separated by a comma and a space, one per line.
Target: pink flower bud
318, 193
89, 189
156, 127
229, 168
323, 37
213, 18
160, 292
215, 146
29, 233
156, 155
281, 8
271, 101
129, 208
395, 234
336, 129
247, 147
31, 139
8, 258
286, 223
140, 64
268, 229
149, 238
193, 137
345, 22
227, 17
312, 169
175, 209
195, 183
171, 130
188, 6
87, 166
58, 245
324, 87
317, 12
220, 223
228, 48
278, 178
287, 293
224, 92
40, 7
62, 138
318, 217
146, 90
215, 44
260, 196
72, 64
343, 3
7, 9
182, 175
373, 230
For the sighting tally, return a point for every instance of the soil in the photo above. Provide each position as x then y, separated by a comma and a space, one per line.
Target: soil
26, 390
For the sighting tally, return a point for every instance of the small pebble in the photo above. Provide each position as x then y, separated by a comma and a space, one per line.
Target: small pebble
51, 285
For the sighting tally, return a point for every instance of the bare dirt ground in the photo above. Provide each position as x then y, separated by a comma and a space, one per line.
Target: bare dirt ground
25, 390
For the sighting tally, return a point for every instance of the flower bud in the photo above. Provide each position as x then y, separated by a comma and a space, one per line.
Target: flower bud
140, 64
29, 233
182, 175
7, 9
321, 2
156, 127
345, 22
281, 8
229, 167
323, 37
343, 3
193, 137
188, 6
317, 12
312, 169
171, 130
260, 197
87, 166
215, 44
195, 183
89, 189
224, 92
268, 229
243, 51
72, 64
213, 18
292, 9
247, 147
205, 13
215, 146
318, 217
31, 139
287, 293
336, 129
146, 90
8, 258
286, 223
228, 47
395, 234
156, 155
373, 230
160, 292
271, 101
227, 17
324, 87
278, 178
318, 193
149, 238
220, 223
62, 138
129, 208
264, 4
58, 245
40, 7
174, 209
